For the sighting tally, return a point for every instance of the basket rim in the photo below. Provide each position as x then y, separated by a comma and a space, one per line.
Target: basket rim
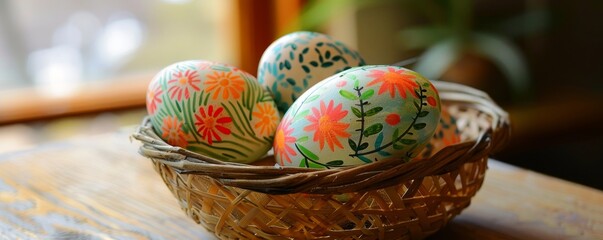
376, 175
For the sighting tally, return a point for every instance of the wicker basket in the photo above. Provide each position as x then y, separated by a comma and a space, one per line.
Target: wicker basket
381, 200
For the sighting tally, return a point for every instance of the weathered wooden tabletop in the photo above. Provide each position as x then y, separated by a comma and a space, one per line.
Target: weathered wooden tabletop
100, 188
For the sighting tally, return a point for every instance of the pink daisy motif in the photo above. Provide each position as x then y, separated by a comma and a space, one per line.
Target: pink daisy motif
153, 99
182, 83
283, 141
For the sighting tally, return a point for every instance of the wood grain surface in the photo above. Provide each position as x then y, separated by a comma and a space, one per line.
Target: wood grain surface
515, 203
96, 188
100, 188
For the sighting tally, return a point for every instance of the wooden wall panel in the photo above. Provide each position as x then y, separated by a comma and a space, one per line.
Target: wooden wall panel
260, 23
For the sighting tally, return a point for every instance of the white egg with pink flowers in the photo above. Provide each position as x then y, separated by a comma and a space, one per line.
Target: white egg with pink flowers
213, 109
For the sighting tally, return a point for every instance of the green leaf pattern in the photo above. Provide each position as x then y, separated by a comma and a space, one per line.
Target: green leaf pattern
297, 61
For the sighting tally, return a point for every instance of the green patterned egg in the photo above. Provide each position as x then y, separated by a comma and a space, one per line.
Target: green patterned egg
362, 115
296, 61
213, 109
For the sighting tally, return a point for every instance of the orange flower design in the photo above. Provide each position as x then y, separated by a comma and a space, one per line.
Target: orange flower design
283, 139
451, 139
268, 118
209, 123
225, 83
326, 126
153, 98
393, 79
182, 83
172, 131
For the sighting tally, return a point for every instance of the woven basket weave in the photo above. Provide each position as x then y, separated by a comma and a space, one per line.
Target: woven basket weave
381, 200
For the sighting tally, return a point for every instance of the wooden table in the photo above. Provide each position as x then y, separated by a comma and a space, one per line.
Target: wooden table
100, 188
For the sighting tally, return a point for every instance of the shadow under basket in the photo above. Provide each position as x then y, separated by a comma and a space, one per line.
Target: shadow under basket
387, 199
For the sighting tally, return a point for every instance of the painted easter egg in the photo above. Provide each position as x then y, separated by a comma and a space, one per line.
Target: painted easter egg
213, 109
296, 61
362, 115
446, 134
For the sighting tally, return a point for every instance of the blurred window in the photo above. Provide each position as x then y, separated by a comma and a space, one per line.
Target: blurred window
56, 45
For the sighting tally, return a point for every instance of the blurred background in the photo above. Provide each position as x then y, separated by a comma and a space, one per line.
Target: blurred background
74, 68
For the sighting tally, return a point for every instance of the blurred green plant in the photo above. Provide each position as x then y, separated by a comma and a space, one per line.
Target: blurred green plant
450, 31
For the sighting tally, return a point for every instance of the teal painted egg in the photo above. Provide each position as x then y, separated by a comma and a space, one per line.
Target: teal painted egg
297, 61
213, 109
362, 115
